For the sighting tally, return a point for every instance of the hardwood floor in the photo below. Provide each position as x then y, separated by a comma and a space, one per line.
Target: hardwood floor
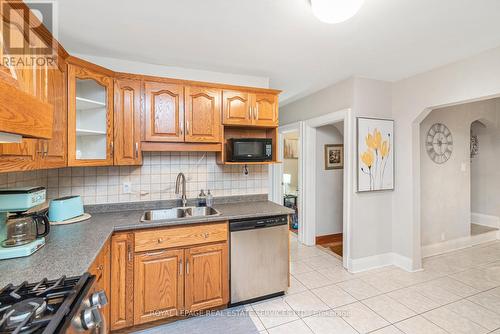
332, 241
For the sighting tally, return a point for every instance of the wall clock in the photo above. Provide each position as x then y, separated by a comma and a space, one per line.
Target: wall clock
439, 143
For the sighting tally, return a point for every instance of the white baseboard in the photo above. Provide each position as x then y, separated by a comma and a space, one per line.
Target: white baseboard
379, 261
459, 243
485, 220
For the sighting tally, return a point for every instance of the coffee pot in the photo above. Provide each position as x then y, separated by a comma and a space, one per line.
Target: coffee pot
25, 228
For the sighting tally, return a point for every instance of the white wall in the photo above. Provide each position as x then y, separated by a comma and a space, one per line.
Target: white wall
485, 174
121, 65
474, 78
331, 99
371, 213
329, 184
446, 188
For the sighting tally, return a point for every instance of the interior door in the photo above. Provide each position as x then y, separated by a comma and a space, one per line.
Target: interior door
127, 125
206, 277
236, 108
203, 114
164, 112
158, 285
266, 109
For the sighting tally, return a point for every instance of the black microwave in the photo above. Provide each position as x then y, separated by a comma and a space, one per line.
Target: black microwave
249, 149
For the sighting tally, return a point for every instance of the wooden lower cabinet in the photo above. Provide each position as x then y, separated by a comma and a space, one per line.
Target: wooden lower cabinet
101, 268
122, 281
206, 277
158, 285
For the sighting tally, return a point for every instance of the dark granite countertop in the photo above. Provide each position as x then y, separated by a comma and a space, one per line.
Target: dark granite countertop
71, 249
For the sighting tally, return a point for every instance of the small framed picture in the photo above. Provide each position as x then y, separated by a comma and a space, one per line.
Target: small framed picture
334, 156
291, 150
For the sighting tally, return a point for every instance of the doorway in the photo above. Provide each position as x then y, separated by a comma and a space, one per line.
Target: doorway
309, 154
329, 186
291, 195
458, 174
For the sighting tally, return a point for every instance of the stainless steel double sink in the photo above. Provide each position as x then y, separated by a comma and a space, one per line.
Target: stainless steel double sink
178, 213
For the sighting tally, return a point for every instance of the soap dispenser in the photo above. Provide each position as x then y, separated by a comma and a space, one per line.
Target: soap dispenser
202, 198
210, 199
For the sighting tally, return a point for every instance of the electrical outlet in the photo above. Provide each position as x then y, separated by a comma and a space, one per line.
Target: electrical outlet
127, 187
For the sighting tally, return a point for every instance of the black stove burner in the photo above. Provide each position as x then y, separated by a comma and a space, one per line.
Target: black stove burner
39, 308
25, 309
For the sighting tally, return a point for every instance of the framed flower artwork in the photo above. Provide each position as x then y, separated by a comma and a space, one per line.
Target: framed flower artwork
375, 154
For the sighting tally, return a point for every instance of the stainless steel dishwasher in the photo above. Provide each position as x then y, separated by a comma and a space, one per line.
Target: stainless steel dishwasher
259, 258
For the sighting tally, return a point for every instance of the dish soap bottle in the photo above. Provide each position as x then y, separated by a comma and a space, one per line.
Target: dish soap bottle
210, 199
202, 198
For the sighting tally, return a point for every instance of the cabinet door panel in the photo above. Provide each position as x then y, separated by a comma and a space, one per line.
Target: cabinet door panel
236, 108
17, 157
90, 118
54, 151
203, 114
206, 277
164, 114
266, 110
122, 281
127, 119
158, 285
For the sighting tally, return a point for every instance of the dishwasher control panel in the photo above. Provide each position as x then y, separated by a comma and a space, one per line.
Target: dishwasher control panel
253, 223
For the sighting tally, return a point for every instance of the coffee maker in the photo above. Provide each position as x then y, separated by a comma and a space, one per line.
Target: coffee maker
23, 221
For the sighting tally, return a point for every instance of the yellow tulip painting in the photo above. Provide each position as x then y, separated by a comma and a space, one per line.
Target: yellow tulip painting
375, 154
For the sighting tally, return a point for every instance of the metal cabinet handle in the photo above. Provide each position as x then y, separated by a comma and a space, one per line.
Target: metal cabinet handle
155, 253
256, 112
160, 240
129, 250
187, 267
136, 150
46, 148
112, 148
40, 148
187, 127
180, 267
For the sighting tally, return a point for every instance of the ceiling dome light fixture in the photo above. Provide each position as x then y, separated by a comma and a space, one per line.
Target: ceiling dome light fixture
335, 11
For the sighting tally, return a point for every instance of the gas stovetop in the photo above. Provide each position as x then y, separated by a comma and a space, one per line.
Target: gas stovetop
41, 307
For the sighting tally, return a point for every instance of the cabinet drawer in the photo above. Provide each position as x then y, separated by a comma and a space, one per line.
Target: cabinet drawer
180, 236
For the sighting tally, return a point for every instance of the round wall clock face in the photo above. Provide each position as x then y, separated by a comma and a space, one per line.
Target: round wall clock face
439, 143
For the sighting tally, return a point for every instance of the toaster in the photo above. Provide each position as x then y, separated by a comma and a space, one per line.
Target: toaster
65, 208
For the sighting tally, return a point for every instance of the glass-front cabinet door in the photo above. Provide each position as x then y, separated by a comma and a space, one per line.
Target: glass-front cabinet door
90, 118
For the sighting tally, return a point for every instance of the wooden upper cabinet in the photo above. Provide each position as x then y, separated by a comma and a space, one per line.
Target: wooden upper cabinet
121, 298
127, 119
206, 277
164, 112
90, 117
54, 150
158, 285
19, 157
250, 109
236, 108
203, 114
265, 111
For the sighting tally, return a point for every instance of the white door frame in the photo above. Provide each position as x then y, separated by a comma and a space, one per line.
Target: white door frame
307, 175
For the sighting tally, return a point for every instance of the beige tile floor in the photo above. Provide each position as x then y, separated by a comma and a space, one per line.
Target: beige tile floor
457, 292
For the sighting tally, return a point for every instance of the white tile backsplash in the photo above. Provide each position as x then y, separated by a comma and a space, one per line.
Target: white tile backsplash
154, 180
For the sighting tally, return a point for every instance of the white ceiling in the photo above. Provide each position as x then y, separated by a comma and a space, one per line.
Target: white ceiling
281, 39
